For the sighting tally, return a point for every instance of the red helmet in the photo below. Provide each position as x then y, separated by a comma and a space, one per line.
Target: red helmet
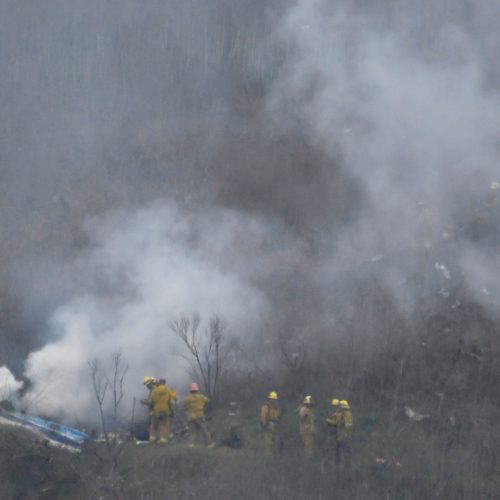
194, 387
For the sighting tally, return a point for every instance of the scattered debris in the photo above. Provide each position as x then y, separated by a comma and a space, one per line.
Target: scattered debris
443, 270
111, 437
444, 293
475, 356
456, 304
234, 409
485, 291
386, 463
413, 415
52, 432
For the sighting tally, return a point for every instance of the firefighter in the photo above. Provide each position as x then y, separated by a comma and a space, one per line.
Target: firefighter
194, 405
150, 383
307, 425
332, 422
340, 423
333, 418
173, 410
270, 415
161, 401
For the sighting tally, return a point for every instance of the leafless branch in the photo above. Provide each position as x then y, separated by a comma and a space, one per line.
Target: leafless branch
100, 385
116, 381
207, 350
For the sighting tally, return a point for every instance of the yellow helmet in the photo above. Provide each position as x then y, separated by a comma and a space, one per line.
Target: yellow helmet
335, 402
148, 380
273, 395
344, 404
308, 400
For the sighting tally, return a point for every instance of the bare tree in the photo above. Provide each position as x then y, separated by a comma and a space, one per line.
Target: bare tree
100, 384
115, 382
104, 385
208, 350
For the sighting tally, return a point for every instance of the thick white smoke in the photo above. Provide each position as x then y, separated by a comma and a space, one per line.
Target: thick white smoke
9, 385
417, 128
145, 270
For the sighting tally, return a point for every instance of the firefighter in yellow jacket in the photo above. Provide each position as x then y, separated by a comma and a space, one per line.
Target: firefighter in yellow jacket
333, 419
162, 400
150, 383
307, 425
340, 423
194, 405
270, 416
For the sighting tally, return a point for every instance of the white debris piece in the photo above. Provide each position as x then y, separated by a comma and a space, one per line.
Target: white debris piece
234, 409
427, 245
485, 291
413, 415
444, 293
495, 185
456, 304
376, 258
443, 270
112, 437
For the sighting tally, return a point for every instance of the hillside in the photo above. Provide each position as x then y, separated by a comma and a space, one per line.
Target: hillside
435, 463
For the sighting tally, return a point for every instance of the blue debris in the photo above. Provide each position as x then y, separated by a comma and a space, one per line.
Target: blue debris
59, 433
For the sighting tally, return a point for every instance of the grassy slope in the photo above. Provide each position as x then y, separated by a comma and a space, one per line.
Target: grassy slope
433, 467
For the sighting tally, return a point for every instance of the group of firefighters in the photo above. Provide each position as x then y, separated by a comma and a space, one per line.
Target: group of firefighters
339, 424
162, 402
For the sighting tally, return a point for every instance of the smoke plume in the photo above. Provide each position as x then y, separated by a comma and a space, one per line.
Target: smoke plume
265, 162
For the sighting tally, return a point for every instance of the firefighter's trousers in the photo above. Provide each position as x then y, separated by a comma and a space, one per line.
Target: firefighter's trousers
160, 428
198, 429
